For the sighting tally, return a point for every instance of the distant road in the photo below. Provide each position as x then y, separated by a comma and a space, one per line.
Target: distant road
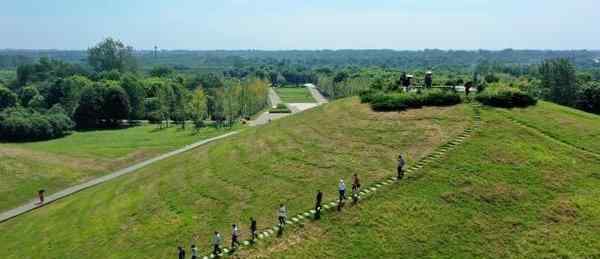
4, 216
316, 94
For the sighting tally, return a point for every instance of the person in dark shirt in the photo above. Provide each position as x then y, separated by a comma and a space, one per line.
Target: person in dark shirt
400, 168
180, 252
252, 229
318, 204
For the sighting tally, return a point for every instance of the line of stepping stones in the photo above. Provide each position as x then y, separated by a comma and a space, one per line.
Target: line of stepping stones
370, 190
585, 151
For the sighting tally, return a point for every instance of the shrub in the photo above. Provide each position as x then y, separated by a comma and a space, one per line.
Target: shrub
281, 108
7, 98
18, 124
506, 97
403, 101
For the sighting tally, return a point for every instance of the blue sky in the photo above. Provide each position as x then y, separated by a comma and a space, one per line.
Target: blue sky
302, 24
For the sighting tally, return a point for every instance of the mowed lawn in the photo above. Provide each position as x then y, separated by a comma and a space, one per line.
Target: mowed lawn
182, 200
55, 164
294, 95
572, 126
506, 193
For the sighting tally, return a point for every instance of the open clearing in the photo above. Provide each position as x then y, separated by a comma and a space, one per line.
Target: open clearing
56, 164
183, 199
294, 95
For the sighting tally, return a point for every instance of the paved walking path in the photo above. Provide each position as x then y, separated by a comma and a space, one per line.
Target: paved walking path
274, 99
4, 216
316, 94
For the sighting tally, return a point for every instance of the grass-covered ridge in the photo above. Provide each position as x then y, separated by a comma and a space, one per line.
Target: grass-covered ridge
507, 192
56, 164
183, 199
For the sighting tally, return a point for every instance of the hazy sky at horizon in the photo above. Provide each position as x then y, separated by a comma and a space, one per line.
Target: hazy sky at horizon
307, 24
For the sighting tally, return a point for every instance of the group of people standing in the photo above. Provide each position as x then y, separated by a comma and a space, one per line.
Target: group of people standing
282, 215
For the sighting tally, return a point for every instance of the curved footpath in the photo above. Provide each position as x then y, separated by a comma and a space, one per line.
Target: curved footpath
368, 191
4, 216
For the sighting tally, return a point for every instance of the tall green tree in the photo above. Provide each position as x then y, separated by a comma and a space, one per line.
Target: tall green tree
559, 80
116, 105
112, 54
135, 90
7, 98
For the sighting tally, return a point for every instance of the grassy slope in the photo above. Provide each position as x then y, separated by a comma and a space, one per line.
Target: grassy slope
508, 192
568, 125
184, 198
56, 164
294, 95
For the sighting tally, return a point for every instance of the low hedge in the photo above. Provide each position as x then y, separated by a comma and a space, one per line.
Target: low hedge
505, 97
403, 101
281, 108
18, 124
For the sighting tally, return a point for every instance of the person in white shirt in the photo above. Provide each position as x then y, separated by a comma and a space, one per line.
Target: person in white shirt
282, 214
234, 237
194, 250
342, 189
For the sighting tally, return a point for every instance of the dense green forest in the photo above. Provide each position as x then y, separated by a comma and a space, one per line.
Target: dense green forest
44, 94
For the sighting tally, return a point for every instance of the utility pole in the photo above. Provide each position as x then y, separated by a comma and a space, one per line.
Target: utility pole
155, 51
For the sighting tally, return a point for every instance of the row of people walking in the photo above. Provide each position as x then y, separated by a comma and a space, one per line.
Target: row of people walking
282, 216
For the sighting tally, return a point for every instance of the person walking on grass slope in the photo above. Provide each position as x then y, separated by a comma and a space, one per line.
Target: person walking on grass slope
355, 181
41, 196
282, 215
216, 242
355, 190
400, 168
235, 243
342, 189
180, 252
194, 251
318, 204
252, 230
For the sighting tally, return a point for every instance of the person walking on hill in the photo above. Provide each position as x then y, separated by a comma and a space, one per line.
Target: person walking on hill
400, 168
235, 243
41, 195
194, 251
282, 214
252, 230
216, 242
355, 181
355, 190
180, 252
342, 189
318, 204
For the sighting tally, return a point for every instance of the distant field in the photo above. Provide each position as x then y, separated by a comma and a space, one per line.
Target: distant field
183, 199
294, 95
59, 163
506, 193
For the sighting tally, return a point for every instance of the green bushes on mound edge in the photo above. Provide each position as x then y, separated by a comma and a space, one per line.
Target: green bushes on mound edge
401, 101
281, 108
18, 124
505, 97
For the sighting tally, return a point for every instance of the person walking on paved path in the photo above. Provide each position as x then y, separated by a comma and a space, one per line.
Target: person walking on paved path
318, 204
235, 233
253, 230
342, 189
41, 195
282, 215
194, 251
216, 242
400, 168
180, 252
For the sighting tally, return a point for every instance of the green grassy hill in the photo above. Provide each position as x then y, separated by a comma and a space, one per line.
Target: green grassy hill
515, 190
56, 164
185, 198
510, 191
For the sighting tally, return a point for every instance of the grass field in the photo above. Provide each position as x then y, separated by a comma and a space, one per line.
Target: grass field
294, 95
572, 126
59, 163
183, 199
506, 193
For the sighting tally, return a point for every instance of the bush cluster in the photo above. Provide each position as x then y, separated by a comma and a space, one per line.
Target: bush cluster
281, 108
19, 124
505, 97
401, 101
